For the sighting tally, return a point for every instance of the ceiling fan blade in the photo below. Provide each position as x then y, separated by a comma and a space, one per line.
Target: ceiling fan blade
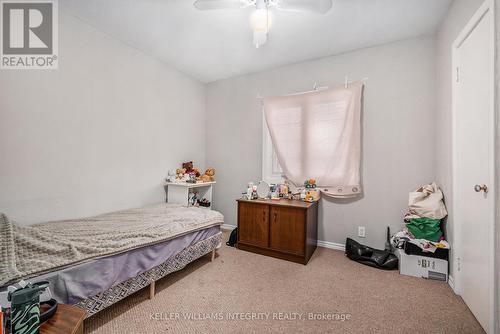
314, 6
220, 4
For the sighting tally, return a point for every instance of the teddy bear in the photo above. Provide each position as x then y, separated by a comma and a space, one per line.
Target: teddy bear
196, 172
188, 166
190, 169
209, 175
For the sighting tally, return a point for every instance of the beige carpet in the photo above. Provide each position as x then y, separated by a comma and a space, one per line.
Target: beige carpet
204, 297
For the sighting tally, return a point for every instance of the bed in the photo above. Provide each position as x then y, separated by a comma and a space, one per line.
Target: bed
95, 262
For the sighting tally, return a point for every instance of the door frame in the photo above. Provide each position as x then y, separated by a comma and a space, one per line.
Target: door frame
488, 6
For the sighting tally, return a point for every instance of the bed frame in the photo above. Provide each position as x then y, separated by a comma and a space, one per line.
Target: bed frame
99, 302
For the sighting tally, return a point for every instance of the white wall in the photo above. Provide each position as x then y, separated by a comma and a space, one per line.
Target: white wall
398, 132
459, 14
96, 135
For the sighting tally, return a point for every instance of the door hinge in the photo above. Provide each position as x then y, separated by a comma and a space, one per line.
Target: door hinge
458, 75
458, 264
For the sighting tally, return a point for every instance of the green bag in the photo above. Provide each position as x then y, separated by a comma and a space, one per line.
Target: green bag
425, 228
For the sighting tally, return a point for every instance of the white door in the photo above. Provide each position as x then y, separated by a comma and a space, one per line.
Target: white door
474, 165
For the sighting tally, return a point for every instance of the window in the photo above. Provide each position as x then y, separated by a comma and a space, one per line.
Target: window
271, 169
315, 135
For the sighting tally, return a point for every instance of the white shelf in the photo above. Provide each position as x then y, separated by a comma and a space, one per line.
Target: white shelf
189, 185
178, 192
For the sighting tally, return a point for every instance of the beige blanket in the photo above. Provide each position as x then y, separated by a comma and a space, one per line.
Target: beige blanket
26, 251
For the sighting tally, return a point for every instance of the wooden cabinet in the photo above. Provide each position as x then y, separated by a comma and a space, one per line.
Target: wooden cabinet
253, 224
288, 230
283, 229
67, 319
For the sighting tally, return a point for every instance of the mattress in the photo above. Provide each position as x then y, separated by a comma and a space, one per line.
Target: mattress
31, 251
72, 284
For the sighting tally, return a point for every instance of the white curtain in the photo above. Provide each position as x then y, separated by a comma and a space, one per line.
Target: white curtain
318, 135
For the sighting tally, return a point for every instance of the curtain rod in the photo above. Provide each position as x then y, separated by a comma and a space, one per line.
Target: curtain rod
317, 89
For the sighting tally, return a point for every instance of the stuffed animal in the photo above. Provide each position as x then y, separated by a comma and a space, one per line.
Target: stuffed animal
172, 175
196, 172
209, 175
188, 166
180, 174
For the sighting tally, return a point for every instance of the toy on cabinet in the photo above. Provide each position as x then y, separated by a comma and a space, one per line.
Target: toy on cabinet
204, 203
181, 175
189, 173
193, 198
188, 166
310, 193
310, 184
171, 176
283, 190
254, 192
274, 191
209, 175
248, 194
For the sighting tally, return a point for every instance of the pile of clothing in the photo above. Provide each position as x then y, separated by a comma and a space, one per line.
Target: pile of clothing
422, 229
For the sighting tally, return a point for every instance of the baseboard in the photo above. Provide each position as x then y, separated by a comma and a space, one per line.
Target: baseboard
451, 283
227, 227
331, 245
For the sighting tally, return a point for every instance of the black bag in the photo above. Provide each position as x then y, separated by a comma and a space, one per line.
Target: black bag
233, 238
371, 257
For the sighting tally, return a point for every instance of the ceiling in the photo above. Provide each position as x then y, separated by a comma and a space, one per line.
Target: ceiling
212, 45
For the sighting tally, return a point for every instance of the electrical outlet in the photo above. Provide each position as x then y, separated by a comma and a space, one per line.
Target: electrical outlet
361, 232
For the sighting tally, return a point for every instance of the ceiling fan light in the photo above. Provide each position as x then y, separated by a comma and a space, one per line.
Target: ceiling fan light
261, 20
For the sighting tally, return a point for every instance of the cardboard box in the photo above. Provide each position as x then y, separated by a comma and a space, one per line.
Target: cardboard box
422, 266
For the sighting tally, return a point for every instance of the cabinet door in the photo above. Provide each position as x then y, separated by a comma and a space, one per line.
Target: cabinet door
288, 229
253, 224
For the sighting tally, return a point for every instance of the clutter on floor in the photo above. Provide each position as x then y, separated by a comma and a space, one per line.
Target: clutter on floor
421, 245
233, 238
381, 259
422, 266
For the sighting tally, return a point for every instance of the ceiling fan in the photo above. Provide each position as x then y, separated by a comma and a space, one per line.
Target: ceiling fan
261, 18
